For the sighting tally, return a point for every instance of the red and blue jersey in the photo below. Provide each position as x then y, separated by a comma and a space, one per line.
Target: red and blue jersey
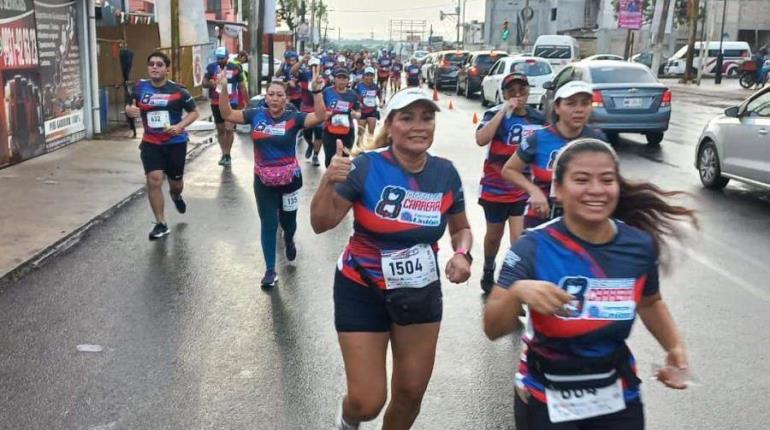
293, 88
394, 209
539, 151
339, 107
513, 129
304, 76
396, 69
368, 96
160, 108
412, 75
275, 139
384, 63
607, 281
234, 79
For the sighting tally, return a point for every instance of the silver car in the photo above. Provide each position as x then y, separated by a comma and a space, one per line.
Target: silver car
627, 97
736, 145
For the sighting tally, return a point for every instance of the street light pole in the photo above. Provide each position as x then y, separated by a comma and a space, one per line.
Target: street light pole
721, 56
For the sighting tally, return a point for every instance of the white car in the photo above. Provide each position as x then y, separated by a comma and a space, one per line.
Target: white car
426, 65
537, 70
734, 145
419, 56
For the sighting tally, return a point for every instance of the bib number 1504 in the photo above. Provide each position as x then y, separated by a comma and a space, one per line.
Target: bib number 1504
408, 267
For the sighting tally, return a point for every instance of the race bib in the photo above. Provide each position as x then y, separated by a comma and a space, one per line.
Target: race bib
158, 119
578, 404
413, 267
370, 101
340, 120
291, 201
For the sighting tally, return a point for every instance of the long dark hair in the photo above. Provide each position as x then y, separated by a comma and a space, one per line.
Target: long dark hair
641, 204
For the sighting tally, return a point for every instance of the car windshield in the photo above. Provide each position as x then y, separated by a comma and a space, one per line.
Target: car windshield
421, 54
531, 68
455, 58
549, 51
486, 61
621, 75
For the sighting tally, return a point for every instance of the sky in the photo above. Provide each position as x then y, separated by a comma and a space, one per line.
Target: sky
359, 18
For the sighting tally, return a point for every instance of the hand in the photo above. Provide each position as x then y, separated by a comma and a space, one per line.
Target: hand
539, 203
222, 81
542, 297
132, 110
511, 104
317, 83
458, 269
675, 374
174, 130
340, 166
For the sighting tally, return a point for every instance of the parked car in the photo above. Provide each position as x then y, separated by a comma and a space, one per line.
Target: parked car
735, 53
473, 70
426, 65
443, 71
559, 50
734, 145
645, 57
603, 57
627, 97
538, 72
420, 56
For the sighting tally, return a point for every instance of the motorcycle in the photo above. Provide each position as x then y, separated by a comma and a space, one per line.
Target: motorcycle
747, 73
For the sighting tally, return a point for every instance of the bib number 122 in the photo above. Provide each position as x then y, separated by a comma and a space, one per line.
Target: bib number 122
407, 267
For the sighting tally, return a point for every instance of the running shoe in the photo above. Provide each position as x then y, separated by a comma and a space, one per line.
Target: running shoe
225, 160
316, 163
181, 206
488, 279
270, 279
291, 250
309, 151
159, 231
340, 424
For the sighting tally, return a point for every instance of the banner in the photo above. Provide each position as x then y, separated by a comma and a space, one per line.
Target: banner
197, 66
630, 14
59, 55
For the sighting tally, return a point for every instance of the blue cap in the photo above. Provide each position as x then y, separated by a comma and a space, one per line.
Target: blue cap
221, 52
290, 54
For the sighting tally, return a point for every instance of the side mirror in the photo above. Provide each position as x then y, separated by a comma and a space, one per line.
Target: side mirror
548, 85
732, 112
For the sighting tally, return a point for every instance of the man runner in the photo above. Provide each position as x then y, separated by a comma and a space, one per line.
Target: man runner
235, 79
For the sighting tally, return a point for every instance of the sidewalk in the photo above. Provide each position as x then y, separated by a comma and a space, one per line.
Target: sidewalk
729, 90
50, 200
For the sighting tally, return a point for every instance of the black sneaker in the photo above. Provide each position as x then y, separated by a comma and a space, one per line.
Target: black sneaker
309, 151
291, 250
159, 231
316, 163
488, 280
181, 206
270, 279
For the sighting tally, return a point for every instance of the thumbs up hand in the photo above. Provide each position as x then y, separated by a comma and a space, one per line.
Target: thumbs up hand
340, 166
133, 110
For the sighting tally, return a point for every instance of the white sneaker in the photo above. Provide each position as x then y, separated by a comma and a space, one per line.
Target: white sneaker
340, 424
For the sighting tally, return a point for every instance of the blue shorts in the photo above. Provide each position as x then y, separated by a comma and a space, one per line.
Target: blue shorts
362, 309
497, 212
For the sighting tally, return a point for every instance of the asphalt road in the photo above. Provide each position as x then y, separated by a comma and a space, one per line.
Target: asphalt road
190, 340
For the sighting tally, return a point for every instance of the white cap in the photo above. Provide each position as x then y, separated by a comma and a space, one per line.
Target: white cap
369, 70
314, 61
405, 98
571, 88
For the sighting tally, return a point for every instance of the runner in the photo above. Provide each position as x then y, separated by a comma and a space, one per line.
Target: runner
235, 78
241, 61
288, 72
357, 74
395, 75
383, 71
402, 198
585, 276
370, 98
160, 102
572, 109
312, 135
342, 106
277, 176
413, 74
504, 126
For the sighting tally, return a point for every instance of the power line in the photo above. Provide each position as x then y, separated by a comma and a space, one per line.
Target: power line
389, 10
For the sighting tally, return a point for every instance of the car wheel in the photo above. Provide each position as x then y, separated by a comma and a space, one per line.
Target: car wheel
457, 88
484, 102
708, 167
468, 94
654, 138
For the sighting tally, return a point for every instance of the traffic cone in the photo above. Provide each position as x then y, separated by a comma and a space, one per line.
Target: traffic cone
475, 118
435, 94
451, 106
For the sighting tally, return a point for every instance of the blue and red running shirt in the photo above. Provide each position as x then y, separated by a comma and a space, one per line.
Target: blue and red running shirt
412, 75
394, 209
607, 280
275, 139
292, 92
234, 79
396, 69
305, 75
368, 96
339, 107
384, 67
509, 135
161, 107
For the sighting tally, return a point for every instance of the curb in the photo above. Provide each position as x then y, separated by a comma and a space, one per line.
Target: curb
74, 237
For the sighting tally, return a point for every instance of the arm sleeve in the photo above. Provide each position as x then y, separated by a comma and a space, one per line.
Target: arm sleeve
188, 102
528, 148
300, 120
248, 114
456, 186
488, 115
519, 263
356, 103
652, 286
352, 189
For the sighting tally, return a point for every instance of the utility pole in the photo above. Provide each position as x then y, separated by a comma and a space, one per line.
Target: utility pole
660, 31
721, 56
692, 18
457, 12
175, 40
303, 10
256, 29
312, 25
704, 41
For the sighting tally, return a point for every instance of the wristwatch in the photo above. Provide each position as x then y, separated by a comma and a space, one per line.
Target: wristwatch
465, 253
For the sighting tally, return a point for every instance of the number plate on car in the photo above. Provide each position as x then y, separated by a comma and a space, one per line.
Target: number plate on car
632, 102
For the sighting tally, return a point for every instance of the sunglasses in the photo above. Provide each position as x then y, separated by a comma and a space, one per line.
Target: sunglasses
156, 64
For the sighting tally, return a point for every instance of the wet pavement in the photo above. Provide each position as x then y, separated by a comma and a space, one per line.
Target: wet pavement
190, 340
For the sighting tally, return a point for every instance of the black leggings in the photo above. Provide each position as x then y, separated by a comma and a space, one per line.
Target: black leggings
534, 416
271, 214
330, 144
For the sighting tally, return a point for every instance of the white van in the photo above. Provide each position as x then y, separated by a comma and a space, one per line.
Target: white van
558, 50
735, 53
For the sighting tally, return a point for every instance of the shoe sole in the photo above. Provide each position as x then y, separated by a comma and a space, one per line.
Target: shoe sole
161, 236
269, 286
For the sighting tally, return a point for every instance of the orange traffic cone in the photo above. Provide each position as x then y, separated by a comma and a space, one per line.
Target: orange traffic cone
435, 94
475, 118
451, 106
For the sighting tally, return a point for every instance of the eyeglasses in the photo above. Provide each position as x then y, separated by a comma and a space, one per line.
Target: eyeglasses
156, 64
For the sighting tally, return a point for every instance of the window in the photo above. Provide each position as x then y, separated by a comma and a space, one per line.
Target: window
734, 53
760, 106
621, 75
553, 14
484, 60
556, 52
215, 7
531, 67
563, 77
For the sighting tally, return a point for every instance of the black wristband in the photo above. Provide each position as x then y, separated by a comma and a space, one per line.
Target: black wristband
316, 92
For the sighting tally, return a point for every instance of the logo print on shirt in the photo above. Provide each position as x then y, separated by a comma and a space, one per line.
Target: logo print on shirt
514, 135
155, 99
413, 207
600, 299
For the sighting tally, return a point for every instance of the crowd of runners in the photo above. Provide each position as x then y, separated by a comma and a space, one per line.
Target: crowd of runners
586, 243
